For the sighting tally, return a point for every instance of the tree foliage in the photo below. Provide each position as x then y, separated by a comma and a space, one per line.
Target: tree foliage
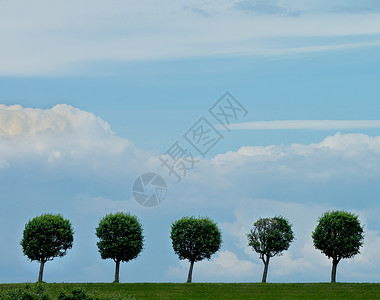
120, 238
270, 237
195, 239
46, 237
338, 235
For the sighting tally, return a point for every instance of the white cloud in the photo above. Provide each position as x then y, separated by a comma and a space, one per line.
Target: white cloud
54, 38
352, 144
18, 121
341, 158
307, 124
63, 136
332, 147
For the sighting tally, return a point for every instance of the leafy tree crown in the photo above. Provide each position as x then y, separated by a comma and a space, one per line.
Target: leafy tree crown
338, 234
47, 236
120, 237
270, 236
195, 238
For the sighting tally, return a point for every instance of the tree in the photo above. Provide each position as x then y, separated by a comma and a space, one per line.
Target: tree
195, 239
120, 238
269, 237
45, 237
338, 235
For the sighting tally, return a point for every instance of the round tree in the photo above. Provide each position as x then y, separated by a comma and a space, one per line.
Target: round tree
270, 237
338, 235
195, 239
46, 237
120, 238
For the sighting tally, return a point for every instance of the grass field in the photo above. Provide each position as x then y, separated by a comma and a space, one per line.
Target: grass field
201, 290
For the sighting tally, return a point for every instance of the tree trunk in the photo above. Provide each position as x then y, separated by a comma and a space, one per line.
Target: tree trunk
333, 270
117, 268
190, 275
266, 264
41, 271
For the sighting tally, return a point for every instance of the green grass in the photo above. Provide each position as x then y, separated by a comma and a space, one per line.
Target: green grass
213, 290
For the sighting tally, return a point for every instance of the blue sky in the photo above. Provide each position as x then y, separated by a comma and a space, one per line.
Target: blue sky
104, 89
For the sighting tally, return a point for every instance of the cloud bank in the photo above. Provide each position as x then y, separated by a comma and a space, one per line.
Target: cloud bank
18, 121
60, 137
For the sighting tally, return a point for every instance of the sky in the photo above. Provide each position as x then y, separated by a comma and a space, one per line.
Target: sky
95, 94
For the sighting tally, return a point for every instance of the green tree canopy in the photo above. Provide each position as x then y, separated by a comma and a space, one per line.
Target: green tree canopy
270, 237
338, 235
120, 238
195, 239
46, 237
